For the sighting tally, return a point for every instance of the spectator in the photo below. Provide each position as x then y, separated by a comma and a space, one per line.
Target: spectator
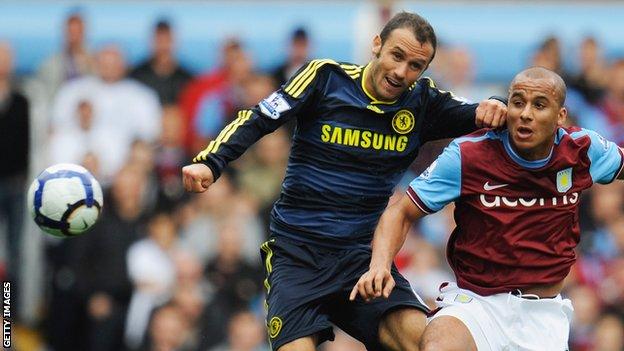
607, 207
298, 54
235, 282
73, 143
586, 313
152, 273
103, 268
611, 289
14, 141
255, 88
590, 81
261, 176
221, 203
245, 333
210, 101
123, 110
192, 303
142, 156
170, 157
72, 62
161, 71
548, 55
612, 105
167, 330
609, 334
459, 74
189, 270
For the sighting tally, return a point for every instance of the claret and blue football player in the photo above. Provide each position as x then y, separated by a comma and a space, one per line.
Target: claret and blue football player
358, 129
517, 194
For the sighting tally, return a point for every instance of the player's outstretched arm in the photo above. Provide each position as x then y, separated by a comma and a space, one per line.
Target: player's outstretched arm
449, 116
284, 104
197, 177
387, 241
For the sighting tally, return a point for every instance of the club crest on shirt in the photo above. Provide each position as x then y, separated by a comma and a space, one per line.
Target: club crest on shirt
403, 122
275, 326
564, 180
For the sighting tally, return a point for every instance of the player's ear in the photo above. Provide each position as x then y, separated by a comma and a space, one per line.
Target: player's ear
562, 117
376, 45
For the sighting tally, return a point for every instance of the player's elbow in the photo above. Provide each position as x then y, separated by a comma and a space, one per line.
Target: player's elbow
409, 212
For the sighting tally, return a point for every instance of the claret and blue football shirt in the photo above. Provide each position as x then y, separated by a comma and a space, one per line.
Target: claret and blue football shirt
517, 220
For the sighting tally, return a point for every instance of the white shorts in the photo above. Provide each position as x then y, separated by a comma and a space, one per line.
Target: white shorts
505, 322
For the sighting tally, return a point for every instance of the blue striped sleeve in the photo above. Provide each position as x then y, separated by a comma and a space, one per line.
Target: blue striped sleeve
439, 184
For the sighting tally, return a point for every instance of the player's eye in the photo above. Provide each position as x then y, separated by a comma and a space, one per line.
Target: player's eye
517, 103
415, 67
397, 56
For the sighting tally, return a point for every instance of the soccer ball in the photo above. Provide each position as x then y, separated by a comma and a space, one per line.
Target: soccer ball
65, 200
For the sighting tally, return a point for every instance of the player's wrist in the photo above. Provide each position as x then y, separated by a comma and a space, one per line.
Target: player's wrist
214, 168
502, 99
380, 264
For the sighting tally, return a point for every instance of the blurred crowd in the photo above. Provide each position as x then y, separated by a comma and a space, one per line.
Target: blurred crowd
164, 270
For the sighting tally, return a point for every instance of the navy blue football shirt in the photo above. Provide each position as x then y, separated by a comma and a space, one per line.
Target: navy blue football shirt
349, 149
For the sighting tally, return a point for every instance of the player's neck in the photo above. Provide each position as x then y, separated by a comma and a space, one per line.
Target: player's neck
539, 152
367, 82
368, 85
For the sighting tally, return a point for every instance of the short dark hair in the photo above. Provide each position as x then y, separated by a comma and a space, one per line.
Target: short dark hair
550, 42
299, 33
162, 25
422, 30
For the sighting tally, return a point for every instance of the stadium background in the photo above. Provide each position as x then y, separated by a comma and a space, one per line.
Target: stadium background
196, 256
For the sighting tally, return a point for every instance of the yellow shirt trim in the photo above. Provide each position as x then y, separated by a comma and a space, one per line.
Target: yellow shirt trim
369, 95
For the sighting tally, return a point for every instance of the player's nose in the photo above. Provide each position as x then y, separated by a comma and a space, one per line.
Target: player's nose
527, 113
400, 72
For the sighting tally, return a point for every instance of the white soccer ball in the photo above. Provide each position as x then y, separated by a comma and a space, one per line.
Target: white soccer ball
65, 200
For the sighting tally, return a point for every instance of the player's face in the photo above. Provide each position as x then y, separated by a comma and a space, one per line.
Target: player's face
533, 115
397, 64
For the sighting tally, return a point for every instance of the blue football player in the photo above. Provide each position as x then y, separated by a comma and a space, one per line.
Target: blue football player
358, 129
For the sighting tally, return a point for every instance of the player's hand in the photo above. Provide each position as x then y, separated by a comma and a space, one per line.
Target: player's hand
491, 114
197, 177
376, 282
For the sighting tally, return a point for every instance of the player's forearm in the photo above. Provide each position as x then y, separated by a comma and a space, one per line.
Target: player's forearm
389, 236
235, 139
450, 122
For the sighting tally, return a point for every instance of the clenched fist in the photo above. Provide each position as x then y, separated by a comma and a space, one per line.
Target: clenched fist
491, 114
197, 177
